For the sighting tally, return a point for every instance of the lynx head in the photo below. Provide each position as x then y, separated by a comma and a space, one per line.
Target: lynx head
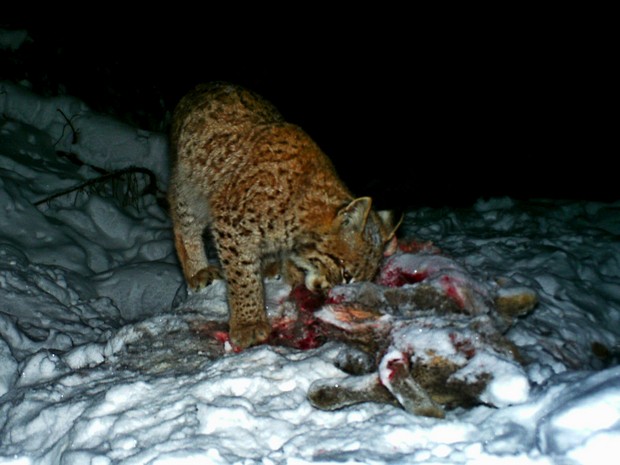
351, 248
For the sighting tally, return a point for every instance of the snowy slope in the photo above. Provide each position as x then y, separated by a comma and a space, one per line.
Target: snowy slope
98, 365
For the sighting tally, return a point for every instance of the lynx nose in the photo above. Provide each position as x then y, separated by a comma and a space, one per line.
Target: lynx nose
317, 283
347, 277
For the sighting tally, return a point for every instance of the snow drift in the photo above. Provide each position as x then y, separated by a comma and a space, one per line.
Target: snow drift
100, 361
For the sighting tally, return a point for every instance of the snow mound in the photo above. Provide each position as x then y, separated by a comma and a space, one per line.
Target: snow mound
97, 139
95, 366
584, 412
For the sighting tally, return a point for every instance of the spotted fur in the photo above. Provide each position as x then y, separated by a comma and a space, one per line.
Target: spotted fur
267, 193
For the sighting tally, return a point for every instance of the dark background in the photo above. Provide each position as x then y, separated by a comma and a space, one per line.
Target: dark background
422, 113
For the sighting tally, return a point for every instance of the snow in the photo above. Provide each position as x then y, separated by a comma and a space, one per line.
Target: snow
100, 362
509, 385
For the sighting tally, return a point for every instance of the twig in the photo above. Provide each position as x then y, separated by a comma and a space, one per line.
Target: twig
127, 194
74, 138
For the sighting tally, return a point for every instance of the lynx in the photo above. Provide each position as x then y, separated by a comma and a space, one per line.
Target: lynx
267, 193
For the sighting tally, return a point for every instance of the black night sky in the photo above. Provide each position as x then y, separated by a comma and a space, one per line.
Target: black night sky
411, 116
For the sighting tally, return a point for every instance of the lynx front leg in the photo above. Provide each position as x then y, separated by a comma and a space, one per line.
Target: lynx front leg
248, 319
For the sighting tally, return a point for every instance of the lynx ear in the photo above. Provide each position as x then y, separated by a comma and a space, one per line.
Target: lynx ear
390, 241
354, 215
391, 247
387, 218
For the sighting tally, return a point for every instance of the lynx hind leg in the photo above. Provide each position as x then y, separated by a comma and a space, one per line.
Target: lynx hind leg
189, 227
197, 271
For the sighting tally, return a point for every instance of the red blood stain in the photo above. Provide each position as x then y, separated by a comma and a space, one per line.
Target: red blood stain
463, 346
398, 278
302, 331
452, 290
222, 336
412, 278
306, 300
397, 366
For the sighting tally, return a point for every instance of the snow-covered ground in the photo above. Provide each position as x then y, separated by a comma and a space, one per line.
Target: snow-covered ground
99, 364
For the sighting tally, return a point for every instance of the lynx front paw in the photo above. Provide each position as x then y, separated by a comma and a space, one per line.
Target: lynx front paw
244, 336
204, 277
